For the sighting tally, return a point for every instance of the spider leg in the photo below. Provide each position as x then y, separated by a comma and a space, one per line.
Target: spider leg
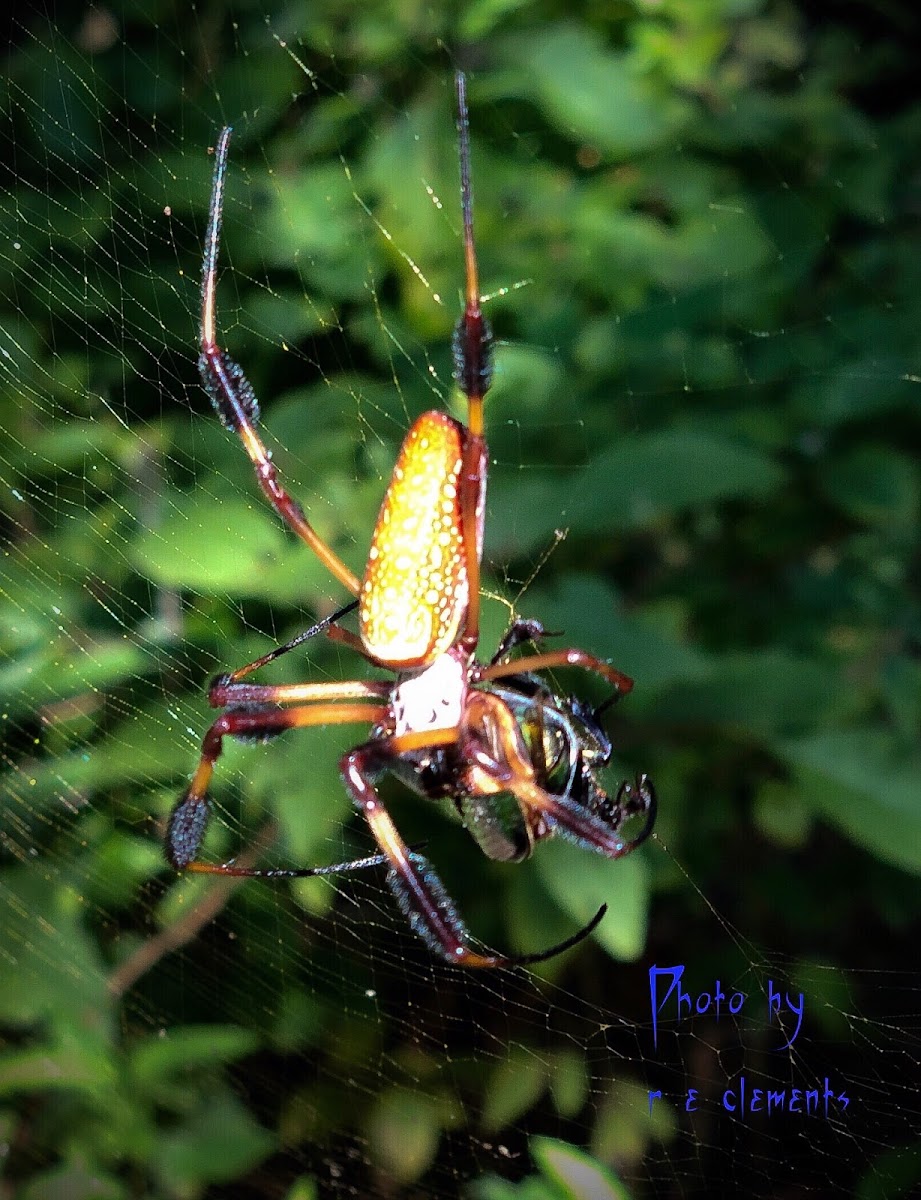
560, 658
590, 827
323, 626
420, 893
594, 831
225, 693
472, 349
523, 629
227, 689
355, 864
346, 637
232, 394
189, 819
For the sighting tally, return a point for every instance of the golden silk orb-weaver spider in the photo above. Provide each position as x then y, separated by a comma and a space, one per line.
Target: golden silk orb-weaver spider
517, 758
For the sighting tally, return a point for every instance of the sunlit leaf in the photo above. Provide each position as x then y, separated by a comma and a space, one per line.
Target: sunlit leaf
212, 547
579, 1176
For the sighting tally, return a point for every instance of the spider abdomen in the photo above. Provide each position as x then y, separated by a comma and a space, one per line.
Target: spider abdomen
415, 591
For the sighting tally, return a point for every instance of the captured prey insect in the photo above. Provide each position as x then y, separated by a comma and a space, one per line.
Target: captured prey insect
517, 758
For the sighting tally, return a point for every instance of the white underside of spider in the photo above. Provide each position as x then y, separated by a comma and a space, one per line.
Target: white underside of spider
431, 699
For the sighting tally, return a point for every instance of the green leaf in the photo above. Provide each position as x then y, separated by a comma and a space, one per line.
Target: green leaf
626, 1124
74, 1181
768, 694
310, 222
212, 546
479, 17
121, 865
219, 1142
580, 1176
592, 94
404, 1133
895, 1172
52, 968
644, 479
152, 745
875, 484
902, 694
639, 483
514, 1087
642, 644
867, 784
535, 1187
863, 389
830, 995
581, 881
569, 1082
303, 1189
189, 1050
299, 781
781, 814
72, 1063
533, 921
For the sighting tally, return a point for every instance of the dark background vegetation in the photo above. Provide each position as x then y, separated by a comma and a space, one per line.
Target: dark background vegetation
709, 380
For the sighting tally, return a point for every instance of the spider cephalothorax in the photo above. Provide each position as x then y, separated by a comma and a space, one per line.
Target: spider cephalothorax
518, 759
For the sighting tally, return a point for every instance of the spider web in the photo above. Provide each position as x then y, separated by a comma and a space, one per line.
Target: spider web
184, 1037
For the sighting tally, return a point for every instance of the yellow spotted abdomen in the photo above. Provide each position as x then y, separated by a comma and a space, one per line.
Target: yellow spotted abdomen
415, 591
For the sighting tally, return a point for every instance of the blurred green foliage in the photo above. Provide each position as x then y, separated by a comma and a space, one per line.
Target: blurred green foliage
697, 224
566, 1173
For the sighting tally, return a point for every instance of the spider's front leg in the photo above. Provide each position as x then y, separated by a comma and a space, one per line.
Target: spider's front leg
188, 821
560, 658
226, 688
232, 394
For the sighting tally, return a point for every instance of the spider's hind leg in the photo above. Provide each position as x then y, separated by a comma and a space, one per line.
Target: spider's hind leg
421, 895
